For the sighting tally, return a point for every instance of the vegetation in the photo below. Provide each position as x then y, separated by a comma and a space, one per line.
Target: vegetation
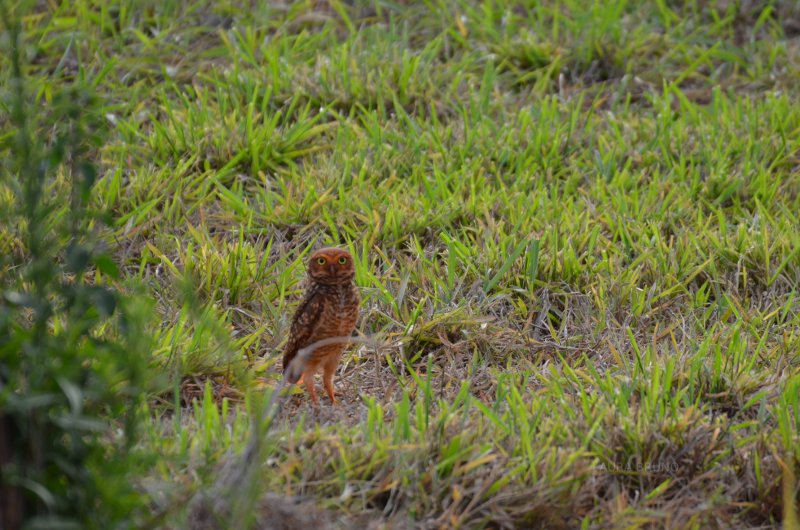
575, 227
70, 372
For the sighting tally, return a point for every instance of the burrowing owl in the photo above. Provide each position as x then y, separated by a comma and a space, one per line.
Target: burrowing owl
329, 309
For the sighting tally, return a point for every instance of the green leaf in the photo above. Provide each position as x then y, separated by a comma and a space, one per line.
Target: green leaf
73, 393
80, 423
104, 299
40, 491
78, 258
533, 262
89, 176
20, 299
106, 265
29, 402
505, 267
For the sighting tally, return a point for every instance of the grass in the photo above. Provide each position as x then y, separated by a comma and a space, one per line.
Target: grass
575, 230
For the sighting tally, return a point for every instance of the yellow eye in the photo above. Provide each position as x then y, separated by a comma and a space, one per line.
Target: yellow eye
321, 261
342, 260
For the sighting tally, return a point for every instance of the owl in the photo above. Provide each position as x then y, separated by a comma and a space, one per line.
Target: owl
329, 309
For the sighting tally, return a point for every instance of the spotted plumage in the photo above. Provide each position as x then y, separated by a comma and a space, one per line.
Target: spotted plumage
329, 308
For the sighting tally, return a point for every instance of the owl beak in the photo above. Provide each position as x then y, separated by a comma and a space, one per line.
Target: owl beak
332, 268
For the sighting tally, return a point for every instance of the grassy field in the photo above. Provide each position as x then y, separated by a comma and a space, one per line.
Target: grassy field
577, 236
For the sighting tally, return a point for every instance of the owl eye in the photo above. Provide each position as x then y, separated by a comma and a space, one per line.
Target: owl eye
321, 261
342, 260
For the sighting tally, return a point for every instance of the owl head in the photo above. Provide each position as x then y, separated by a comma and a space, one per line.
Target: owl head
331, 266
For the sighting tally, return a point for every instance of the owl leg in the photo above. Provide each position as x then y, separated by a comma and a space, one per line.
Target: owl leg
308, 380
328, 369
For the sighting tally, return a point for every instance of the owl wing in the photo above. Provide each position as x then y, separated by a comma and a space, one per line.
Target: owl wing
304, 323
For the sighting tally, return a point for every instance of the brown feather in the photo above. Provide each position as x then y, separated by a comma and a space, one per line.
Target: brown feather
303, 325
329, 309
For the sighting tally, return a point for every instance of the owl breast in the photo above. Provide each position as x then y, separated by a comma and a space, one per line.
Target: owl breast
338, 318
